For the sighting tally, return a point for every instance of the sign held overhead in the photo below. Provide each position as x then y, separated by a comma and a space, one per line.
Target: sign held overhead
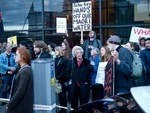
82, 16
61, 25
137, 33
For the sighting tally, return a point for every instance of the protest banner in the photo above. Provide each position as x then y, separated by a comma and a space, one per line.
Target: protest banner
82, 16
61, 25
137, 33
100, 77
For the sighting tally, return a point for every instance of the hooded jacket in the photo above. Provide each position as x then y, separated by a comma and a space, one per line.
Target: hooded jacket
94, 43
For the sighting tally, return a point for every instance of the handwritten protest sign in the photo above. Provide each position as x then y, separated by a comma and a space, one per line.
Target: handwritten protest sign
82, 16
61, 25
12, 40
101, 73
137, 33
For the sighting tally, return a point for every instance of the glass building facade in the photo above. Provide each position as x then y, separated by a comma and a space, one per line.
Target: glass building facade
36, 19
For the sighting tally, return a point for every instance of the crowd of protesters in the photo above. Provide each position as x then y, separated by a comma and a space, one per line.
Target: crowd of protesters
75, 69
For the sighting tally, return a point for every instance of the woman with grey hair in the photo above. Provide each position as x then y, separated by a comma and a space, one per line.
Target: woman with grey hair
78, 73
74, 50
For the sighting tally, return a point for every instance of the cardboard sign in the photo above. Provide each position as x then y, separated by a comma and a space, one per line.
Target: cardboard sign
12, 40
61, 25
100, 77
137, 33
82, 16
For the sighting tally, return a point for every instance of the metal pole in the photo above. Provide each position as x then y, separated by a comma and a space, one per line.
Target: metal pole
100, 20
43, 20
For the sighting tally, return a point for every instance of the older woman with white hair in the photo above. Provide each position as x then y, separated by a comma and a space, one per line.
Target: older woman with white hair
78, 72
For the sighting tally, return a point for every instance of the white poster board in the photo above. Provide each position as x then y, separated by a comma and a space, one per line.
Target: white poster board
100, 78
82, 16
61, 25
137, 33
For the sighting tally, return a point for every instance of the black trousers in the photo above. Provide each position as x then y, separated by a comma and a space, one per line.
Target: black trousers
62, 96
97, 92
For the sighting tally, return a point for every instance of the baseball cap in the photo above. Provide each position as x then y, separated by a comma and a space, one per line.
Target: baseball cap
114, 38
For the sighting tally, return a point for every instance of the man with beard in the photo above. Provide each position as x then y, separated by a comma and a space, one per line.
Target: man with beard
41, 49
144, 54
90, 43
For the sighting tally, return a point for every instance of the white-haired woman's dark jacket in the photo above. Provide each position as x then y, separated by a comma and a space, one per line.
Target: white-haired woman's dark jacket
81, 74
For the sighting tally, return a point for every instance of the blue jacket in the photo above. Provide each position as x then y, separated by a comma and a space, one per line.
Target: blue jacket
4, 62
94, 62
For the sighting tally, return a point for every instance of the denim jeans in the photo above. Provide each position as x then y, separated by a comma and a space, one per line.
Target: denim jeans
6, 85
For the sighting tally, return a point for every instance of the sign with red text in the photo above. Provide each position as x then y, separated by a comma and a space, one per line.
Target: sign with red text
82, 16
137, 33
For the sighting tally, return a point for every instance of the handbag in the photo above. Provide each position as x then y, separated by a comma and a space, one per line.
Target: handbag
58, 87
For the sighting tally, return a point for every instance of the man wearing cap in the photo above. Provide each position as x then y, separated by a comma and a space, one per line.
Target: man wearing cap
123, 65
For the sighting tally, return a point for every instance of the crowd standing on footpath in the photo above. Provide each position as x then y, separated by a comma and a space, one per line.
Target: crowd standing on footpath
75, 69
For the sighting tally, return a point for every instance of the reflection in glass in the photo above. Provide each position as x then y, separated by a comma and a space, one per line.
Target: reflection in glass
15, 13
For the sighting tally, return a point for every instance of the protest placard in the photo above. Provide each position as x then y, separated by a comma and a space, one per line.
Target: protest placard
137, 33
61, 25
100, 77
82, 16
12, 40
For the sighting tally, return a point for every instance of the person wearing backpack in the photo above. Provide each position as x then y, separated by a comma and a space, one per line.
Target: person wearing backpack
138, 74
145, 56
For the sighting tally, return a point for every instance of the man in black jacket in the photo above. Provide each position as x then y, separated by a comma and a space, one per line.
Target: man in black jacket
41, 49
